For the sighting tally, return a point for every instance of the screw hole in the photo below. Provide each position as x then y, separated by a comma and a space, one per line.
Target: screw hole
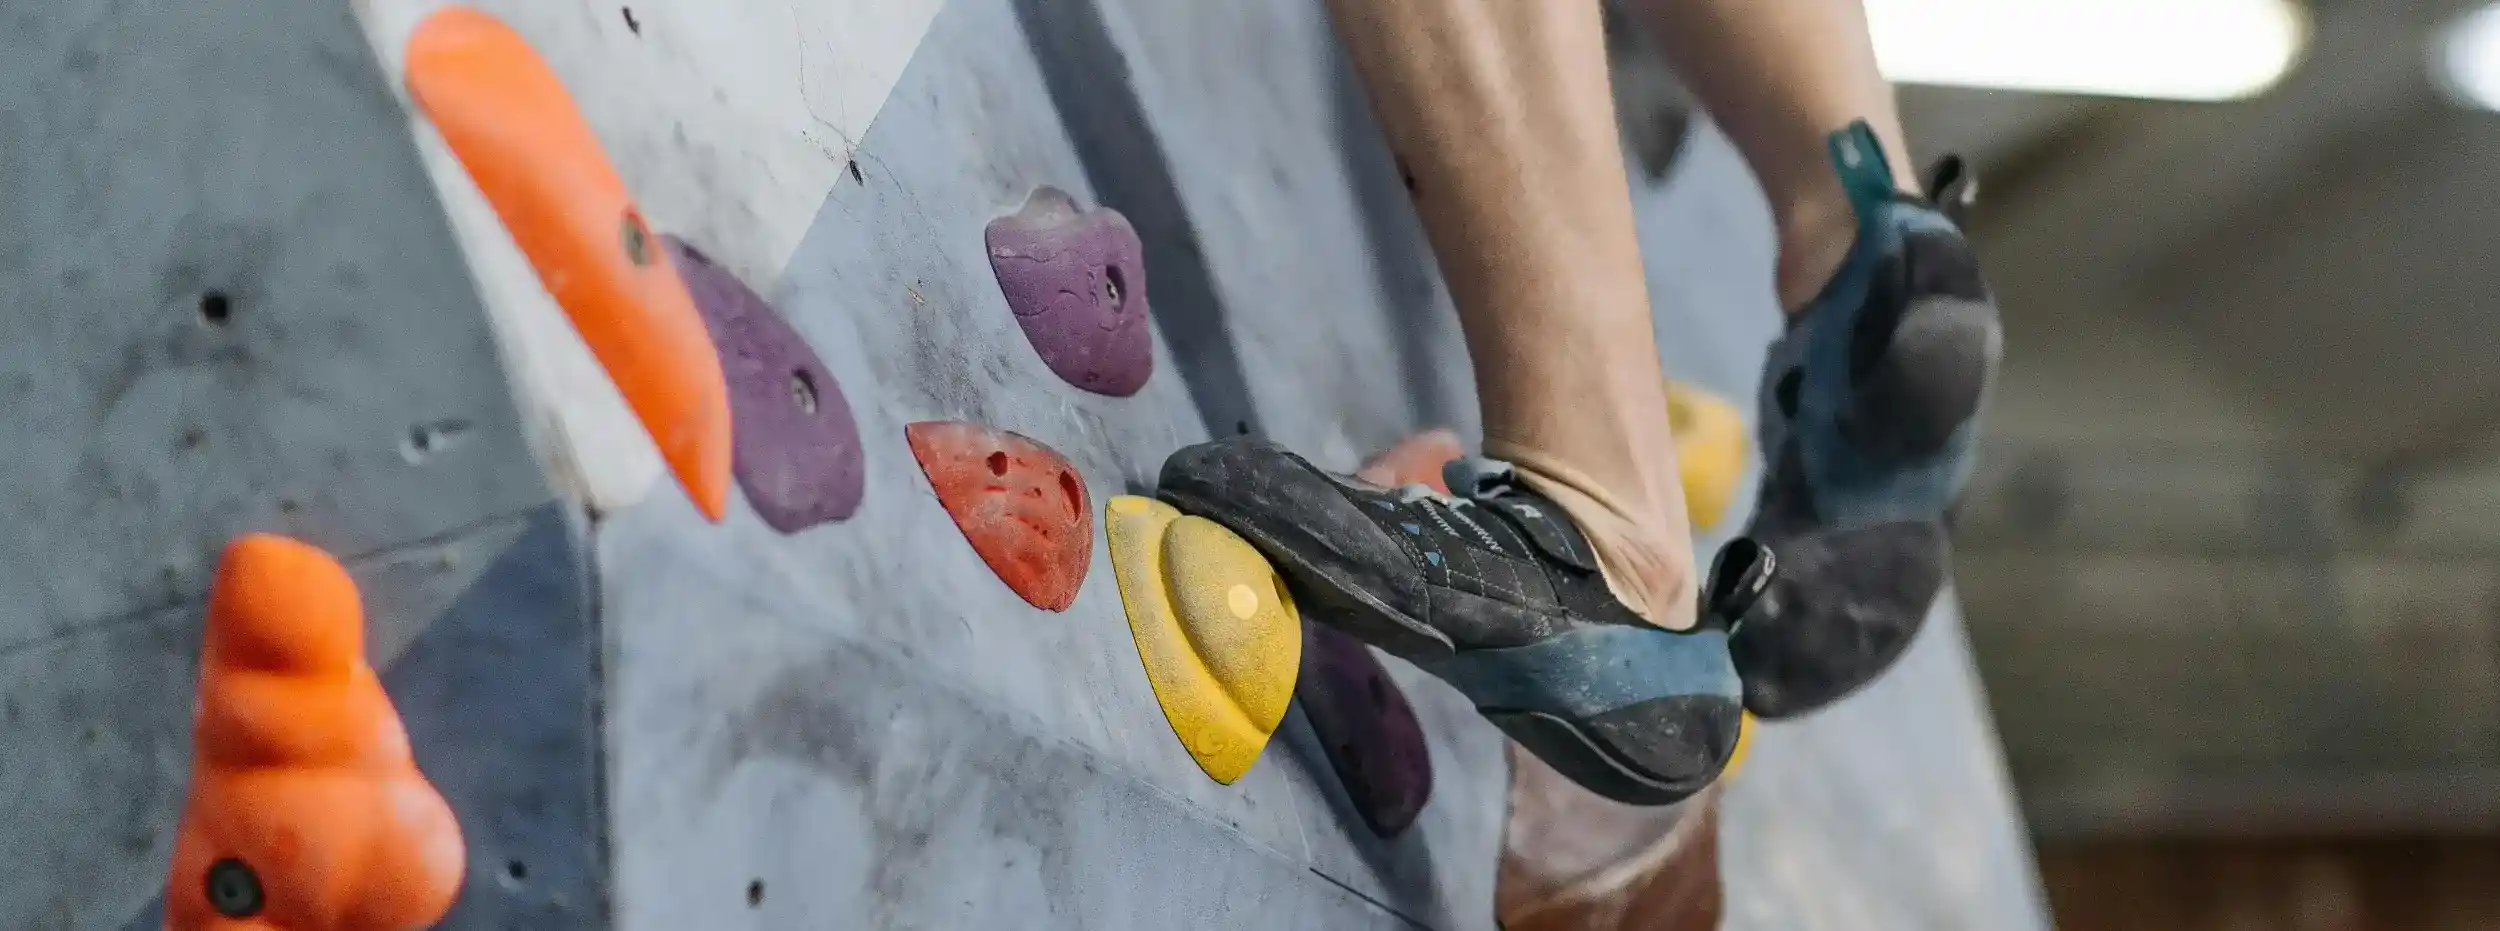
216, 308
1241, 427
418, 446
803, 391
516, 870
1114, 284
233, 889
755, 893
998, 464
1074, 490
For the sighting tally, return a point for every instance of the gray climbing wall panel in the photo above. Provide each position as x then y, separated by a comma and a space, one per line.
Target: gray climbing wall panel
874, 681
235, 303
648, 721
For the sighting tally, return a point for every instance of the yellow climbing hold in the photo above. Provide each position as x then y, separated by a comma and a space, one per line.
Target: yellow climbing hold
1215, 629
1710, 448
1744, 744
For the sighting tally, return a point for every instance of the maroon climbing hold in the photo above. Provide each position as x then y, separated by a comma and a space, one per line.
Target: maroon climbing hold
797, 448
1366, 727
1076, 280
1020, 504
1363, 721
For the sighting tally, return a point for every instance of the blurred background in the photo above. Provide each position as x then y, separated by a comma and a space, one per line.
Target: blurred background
2232, 566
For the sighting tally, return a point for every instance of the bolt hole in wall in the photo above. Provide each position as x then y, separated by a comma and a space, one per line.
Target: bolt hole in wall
631, 25
755, 893
1113, 285
216, 308
424, 440
515, 872
998, 464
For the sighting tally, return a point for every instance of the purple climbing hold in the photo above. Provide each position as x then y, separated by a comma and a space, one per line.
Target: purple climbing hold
1370, 733
1076, 280
797, 448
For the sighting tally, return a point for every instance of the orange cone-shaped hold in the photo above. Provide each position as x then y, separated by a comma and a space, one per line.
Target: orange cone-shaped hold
306, 812
517, 132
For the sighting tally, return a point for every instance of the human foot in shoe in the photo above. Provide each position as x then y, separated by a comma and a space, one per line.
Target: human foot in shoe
1870, 407
1497, 592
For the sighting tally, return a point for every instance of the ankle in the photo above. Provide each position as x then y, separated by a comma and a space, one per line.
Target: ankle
1644, 552
1814, 239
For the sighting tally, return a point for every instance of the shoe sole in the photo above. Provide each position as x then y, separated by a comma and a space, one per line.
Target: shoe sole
1568, 747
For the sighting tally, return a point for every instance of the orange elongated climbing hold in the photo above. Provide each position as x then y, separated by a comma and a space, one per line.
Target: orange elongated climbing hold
306, 812
513, 126
1022, 506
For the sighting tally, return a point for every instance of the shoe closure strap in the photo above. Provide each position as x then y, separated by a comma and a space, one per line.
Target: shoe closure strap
1864, 171
1494, 485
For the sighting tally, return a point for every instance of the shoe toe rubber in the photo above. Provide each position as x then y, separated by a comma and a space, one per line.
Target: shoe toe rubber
1844, 606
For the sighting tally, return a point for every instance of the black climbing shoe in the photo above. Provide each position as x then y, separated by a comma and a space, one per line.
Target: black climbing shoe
1869, 414
1496, 592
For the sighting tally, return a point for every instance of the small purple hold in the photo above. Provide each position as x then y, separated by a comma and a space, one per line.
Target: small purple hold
1369, 731
797, 449
1076, 280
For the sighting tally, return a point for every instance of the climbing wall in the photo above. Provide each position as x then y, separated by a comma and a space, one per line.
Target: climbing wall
825, 627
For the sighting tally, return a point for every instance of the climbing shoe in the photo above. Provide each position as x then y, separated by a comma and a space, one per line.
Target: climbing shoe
1870, 406
1495, 591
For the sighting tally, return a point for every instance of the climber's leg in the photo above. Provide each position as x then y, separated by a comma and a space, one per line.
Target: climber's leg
1548, 586
1871, 401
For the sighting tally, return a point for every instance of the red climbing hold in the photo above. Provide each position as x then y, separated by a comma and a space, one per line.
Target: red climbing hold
1022, 506
306, 812
1076, 280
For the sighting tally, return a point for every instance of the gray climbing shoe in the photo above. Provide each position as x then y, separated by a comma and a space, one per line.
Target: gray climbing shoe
1870, 408
1496, 592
